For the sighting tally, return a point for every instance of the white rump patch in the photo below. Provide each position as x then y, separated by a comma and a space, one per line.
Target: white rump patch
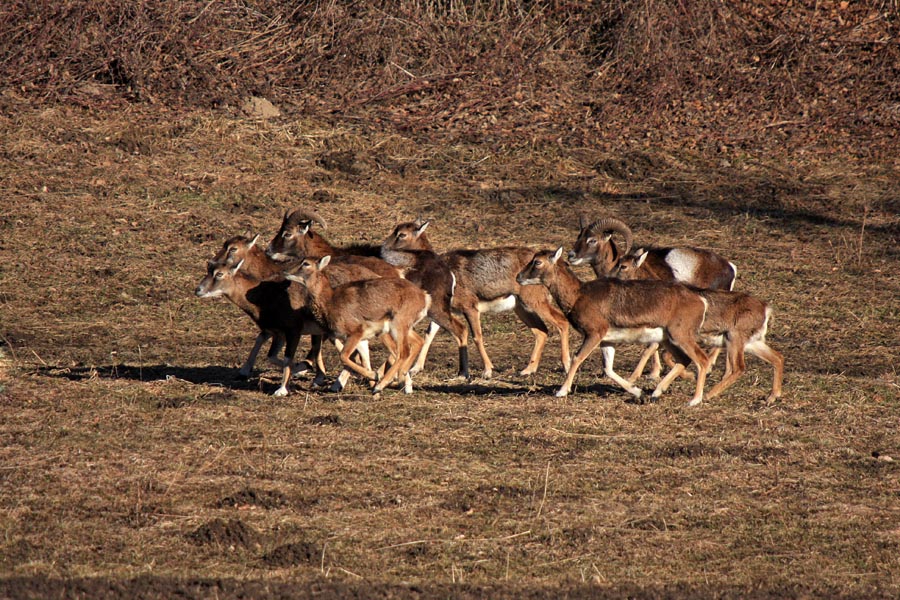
760, 336
714, 341
425, 310
498, 305
683, 262
372, 329
636, 335
756, 346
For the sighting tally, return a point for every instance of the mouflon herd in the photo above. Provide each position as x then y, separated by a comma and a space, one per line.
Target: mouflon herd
681, 299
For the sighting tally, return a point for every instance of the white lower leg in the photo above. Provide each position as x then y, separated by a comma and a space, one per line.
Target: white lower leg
609, 355
364, 358
285, 378
423, 353
407, 384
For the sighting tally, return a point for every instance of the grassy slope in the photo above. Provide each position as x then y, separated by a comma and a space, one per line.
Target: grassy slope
124, 434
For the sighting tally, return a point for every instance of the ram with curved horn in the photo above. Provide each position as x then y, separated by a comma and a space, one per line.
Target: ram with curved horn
595, 245
704, 269
735, 321
694, 266
609, 312
297, 238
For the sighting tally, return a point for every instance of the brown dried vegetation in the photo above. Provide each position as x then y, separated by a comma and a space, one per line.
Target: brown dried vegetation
135, 463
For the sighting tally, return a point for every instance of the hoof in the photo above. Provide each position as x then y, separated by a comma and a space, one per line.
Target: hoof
301, 367
562, 393
487, 374
695, 402
527, 371
241, 376
280, 392
636, 392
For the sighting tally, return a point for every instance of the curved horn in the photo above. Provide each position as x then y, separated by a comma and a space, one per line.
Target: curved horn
613, 225
302, 214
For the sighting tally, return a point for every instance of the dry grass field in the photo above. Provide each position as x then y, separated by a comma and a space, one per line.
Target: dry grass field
131, 452
134, 462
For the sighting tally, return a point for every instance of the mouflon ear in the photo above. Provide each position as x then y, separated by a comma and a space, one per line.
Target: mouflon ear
556, 255
642, 256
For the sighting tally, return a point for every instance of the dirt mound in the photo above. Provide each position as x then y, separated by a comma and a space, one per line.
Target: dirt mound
293, 554
232, 533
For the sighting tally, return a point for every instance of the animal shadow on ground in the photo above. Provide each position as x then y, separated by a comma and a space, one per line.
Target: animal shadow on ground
473, 388
214, 375
228, 378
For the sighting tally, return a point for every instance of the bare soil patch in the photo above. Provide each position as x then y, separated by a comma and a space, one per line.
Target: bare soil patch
229, 534
293, 554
